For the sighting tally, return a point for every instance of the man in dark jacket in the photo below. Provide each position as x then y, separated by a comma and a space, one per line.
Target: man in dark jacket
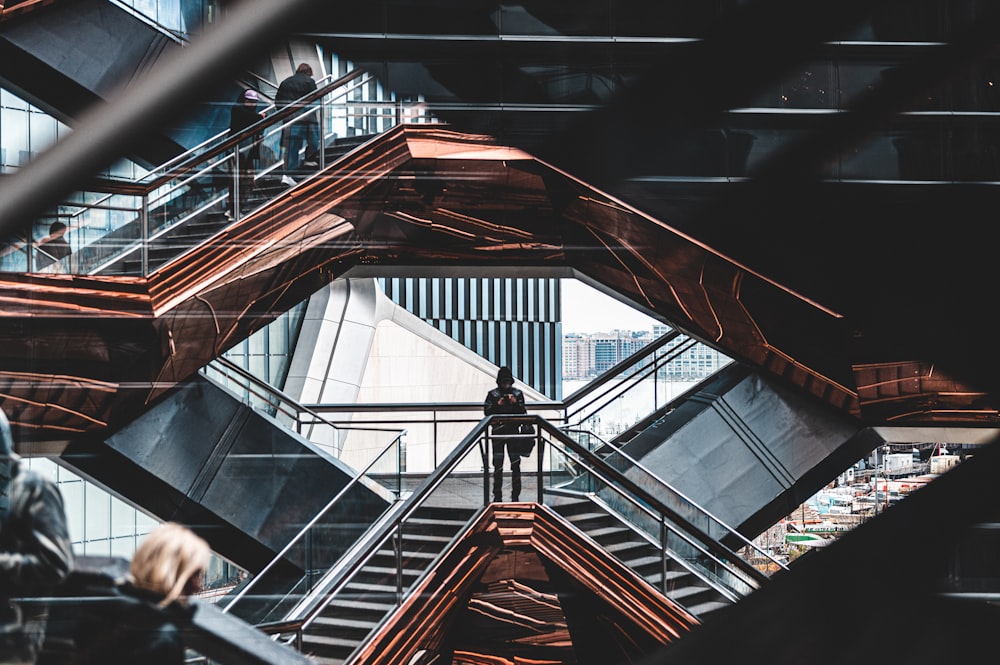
35, 551
301, 132
505, 398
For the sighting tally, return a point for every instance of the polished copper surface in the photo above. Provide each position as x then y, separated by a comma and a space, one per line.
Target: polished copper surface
82, 353
499, 596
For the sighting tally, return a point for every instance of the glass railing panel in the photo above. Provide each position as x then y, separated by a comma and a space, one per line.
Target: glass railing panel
255, 394
273, 592
438, 509
430, 435
570, 471
358, 445
107, 228
683, 508
624, 400
179, 198
14, 254
693, 514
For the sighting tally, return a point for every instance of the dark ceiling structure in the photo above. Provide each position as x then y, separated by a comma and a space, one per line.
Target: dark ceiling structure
870, 295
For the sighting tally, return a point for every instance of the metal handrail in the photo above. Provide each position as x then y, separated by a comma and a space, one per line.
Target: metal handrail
225, 141
563, 406
636, 464
208, 160
267, 392
617, 390
547, 434
749, 574
618, 480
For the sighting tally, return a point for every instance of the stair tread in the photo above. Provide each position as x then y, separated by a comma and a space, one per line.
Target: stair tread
344, 622
328, 640
687, 591
362, 605
702, 609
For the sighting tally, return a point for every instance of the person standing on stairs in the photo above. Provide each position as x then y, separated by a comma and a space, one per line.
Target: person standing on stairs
243, 114
505, 399
301, 132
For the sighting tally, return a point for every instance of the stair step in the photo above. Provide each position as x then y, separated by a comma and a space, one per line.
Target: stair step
610, 533
327, 646
343, 623
645, 561
374, 587
451, 523
702, 610
622, 548
688, 593
361, 605
329, 641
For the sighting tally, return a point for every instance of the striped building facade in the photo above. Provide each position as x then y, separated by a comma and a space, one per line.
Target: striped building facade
511, 321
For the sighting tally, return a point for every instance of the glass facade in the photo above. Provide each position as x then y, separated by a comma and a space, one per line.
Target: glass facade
183, 17
99, 524
267, 354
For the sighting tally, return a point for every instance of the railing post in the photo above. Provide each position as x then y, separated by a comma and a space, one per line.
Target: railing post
399, 466
484, 444
234, 191
663, 555
434, 438
399, 563
539, 447
656, 381
309, 560
144, 233
322, 133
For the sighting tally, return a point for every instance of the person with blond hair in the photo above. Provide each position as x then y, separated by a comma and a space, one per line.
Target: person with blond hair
171, 561
135, 626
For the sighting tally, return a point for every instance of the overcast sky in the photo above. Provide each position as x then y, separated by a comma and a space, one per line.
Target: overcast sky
585, 310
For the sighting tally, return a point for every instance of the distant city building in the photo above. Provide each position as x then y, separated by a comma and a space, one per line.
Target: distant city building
694, 364
578, 356
587, 355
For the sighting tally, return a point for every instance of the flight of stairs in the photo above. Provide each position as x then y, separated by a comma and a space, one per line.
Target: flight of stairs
203, 225
372, 593
682, 586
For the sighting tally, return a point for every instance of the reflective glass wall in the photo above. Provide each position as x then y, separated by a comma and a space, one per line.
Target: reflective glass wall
101, 524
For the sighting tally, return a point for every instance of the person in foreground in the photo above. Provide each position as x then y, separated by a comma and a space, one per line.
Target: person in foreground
135, 625
36, 553
505, 399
